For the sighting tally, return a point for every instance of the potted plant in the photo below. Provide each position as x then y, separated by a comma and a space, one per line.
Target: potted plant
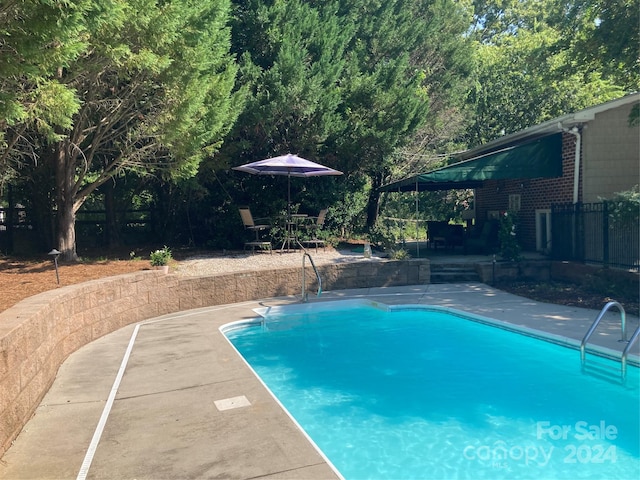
160, 258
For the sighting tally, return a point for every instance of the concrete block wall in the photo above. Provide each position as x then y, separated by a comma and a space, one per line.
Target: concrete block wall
491, 273
39, 333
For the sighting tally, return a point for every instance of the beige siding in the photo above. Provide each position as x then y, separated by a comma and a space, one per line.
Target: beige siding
611, 155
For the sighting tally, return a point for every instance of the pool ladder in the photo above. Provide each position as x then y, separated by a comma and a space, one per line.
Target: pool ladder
305, 295
625, 353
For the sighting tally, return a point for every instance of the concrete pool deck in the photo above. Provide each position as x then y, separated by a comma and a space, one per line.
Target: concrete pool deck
162, 378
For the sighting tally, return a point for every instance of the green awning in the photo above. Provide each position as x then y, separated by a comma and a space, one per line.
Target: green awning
540, 158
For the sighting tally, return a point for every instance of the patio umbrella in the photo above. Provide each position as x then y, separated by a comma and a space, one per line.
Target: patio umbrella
289, 165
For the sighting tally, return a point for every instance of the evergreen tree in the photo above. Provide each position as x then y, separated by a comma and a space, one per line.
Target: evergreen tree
154, 87
37, 37
345, 82
406, 57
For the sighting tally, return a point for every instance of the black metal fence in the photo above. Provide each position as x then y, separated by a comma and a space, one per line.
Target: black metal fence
596, 233
132, 227
19, 235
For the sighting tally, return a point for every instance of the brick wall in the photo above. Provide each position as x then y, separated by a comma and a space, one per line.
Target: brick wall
536, 193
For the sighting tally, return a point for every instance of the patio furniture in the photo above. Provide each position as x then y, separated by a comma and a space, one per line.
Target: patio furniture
436, 234
251, 225
445, 234
486, 242
293, 221
313, 228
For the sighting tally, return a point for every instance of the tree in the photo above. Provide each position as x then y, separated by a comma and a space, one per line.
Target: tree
292, 60
407, 58
606, 34
36, 38
529, 69
154, 83
291, 56
344, 82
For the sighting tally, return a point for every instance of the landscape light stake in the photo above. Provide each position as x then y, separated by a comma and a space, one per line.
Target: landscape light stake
55, 253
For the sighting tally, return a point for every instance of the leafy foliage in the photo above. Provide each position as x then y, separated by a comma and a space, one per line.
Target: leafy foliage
529, 65
624, 207
151, 82
160, 257
151, 102
508, 236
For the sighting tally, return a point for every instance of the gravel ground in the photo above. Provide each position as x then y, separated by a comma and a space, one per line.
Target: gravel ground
21, 278
238, 261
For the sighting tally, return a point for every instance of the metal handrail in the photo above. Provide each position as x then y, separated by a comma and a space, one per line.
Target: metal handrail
623, 359
597, 321
305, 296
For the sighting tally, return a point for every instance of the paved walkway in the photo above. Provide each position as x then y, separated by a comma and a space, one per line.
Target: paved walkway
141, 402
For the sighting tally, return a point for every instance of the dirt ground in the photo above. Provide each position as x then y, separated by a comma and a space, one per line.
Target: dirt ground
22, 278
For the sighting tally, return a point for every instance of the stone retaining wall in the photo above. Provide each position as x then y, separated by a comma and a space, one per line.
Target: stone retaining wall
39, 333
491, 273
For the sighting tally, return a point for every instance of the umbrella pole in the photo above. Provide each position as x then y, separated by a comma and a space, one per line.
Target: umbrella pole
289, 223
289, 196
417, 222
288, 226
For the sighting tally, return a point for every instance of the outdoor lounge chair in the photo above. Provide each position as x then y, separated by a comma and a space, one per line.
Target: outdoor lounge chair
436, 233
313, 228
445, 234
486, 242
250, 224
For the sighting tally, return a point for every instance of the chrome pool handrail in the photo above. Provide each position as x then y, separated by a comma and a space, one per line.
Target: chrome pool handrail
623, 359
597, 321
305, 296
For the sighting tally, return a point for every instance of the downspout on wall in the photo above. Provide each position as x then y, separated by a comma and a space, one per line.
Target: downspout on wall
576, 185
576, 164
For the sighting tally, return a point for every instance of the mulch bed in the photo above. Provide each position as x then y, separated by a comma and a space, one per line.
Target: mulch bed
569, 294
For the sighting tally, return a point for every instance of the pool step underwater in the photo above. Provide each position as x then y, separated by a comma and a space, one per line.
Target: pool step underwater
453, 273
607, 372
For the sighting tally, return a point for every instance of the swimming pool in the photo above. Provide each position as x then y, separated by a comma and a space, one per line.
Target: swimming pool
415, 392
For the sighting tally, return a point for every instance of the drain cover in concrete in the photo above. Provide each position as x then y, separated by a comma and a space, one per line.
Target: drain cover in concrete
230, 403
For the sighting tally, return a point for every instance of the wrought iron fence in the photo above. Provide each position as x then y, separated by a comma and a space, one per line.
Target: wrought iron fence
595, 233
19, 235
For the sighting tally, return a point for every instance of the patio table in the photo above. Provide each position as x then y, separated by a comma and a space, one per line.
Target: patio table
291, 234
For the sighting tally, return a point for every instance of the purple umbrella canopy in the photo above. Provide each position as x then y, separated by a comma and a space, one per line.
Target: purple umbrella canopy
289, 165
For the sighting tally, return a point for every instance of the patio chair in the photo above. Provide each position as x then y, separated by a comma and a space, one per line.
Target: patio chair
251, 225
313, 228
486, 242
445, 234
437, 234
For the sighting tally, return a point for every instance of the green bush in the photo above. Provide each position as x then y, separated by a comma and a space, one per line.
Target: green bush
160, 257
382, 236
509, 246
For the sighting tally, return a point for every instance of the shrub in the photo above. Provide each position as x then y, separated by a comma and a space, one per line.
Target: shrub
509, 247
160, 257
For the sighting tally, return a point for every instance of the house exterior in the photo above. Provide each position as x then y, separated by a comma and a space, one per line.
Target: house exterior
552, 174
600, 156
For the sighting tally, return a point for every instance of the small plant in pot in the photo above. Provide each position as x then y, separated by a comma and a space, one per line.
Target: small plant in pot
160, 258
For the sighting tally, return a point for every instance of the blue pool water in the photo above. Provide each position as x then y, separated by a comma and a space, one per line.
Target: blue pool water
425, 394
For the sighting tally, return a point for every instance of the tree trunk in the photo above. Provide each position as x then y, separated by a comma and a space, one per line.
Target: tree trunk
65, 201
67, 234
